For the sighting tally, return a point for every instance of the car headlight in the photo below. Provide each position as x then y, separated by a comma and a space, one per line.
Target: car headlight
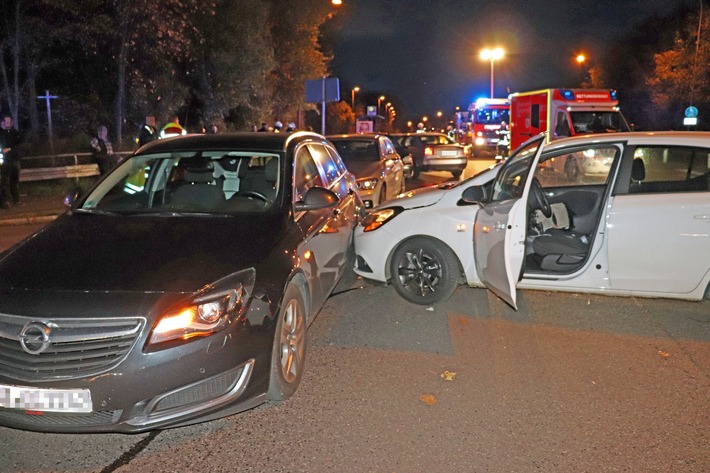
2, 158
209, 312
367, 184
379, 217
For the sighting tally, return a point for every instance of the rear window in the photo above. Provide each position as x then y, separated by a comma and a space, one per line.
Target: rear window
357, 150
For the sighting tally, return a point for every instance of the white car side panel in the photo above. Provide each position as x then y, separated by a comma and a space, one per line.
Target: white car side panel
659, 242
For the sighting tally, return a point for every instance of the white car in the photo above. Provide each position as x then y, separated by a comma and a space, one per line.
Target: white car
642, 229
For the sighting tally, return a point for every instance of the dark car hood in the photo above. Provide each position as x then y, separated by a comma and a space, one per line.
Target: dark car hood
114, 253
364, 169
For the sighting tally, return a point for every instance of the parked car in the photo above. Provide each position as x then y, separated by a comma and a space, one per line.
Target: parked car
179, 288
434, 152
404, 153
378, 167
641, 230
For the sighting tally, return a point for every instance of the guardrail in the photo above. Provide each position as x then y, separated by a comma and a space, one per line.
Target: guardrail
60, 166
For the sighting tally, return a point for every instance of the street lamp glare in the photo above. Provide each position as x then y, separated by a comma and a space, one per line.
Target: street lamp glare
581, 58
492, 55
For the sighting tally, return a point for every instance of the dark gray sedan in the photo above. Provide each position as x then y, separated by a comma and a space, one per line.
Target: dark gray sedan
179, 288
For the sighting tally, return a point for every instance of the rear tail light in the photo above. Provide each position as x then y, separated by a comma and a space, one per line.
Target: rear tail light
428, 151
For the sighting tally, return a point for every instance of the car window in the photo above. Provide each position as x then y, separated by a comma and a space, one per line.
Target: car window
331, 171
306, 173
337, 159
580, 167
188, 182
389, 146
357, 150
670, 169
436, 139
510, 182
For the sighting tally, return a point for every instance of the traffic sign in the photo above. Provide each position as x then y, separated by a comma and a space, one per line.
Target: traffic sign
691, 112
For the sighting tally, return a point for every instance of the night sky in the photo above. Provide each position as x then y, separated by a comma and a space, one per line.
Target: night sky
426, 53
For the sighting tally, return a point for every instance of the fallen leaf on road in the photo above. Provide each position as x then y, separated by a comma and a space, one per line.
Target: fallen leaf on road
664, 354
463, 320
448, 375
428, 399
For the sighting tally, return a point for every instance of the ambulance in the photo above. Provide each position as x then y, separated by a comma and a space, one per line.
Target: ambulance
486, 116
564, 112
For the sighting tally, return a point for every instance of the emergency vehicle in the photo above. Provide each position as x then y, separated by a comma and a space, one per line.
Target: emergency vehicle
486, 117
564, 112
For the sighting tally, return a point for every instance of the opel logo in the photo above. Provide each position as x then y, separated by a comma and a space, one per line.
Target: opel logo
34, 338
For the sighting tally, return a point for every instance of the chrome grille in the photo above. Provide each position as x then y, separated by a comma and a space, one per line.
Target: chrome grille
77, 347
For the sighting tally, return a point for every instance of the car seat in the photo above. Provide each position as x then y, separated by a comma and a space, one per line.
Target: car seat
197, 191
261, 180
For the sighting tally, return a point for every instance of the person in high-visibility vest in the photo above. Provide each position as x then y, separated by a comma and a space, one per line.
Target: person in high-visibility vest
172, 128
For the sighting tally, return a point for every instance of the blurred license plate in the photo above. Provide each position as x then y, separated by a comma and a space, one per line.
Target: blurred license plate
45, 400
449, 153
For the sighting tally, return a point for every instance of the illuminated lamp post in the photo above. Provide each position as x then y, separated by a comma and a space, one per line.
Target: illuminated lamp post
492, 55
379, 101
580, 60
352, 97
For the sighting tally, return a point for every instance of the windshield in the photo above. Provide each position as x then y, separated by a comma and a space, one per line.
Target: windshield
491, 116
357, 150
598, 122
510, 182
189, 182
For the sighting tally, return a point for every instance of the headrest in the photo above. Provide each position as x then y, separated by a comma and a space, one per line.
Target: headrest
198, 169
229, 163
638, 170
198, 164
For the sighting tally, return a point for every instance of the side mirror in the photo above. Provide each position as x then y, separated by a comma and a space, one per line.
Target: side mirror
475, 195
72, 196
317, 198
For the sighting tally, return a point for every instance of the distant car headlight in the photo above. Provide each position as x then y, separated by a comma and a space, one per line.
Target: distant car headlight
2, 158
367, 184
376, 219
209, 312
480, 141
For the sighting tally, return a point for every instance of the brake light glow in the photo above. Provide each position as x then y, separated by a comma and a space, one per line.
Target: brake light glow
428, 151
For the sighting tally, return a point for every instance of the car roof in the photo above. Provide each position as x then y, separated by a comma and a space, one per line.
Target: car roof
426, 133
355, 136
684, 138
257, 141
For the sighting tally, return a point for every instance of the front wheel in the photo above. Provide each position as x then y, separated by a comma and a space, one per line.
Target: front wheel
424, 271
456, 173
288, 354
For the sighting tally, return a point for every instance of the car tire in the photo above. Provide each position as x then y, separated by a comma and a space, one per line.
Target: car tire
424, 271
456, 174
383, 194
288, 354
415, 172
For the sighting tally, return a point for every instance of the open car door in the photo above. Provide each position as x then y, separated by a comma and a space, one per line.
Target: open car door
501, 223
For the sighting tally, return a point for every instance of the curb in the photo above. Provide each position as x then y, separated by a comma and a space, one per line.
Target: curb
28, 220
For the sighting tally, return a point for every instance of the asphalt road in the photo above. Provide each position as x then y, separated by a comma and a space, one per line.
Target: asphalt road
568, 383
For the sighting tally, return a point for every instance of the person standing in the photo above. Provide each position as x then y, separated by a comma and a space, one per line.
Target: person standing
172, 128
148, 131
102, 150
10, 141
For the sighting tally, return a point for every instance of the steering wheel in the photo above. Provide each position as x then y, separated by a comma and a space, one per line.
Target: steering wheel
538, 199
252, 194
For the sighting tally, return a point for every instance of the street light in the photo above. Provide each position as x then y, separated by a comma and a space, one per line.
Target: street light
352, 99
379, 100
492, 55
580, 59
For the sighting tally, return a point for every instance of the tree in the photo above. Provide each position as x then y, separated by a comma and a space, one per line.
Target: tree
680, 77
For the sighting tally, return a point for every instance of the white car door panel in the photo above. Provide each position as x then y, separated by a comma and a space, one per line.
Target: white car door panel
499, 236
659, 242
